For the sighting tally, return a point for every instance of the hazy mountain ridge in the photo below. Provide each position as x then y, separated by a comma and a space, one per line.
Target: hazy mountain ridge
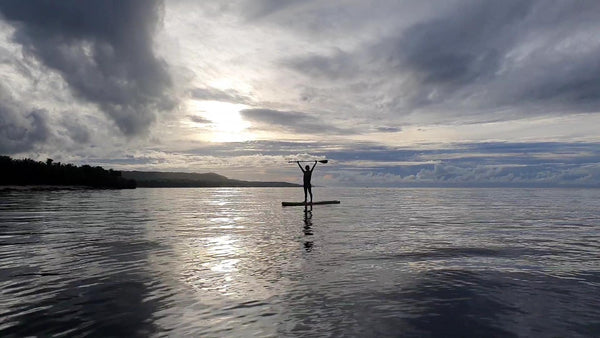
183, 179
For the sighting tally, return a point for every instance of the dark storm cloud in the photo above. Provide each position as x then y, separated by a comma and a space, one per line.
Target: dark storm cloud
292, 121
462, 46
468, 48
77, 131
340, 65
22, 132
531, 54
458, 46
102, 49
213, 94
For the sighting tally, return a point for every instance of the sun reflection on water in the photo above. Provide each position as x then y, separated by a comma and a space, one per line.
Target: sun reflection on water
211, 264
228, 250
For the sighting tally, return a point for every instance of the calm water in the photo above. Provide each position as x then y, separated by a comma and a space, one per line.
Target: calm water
233, 262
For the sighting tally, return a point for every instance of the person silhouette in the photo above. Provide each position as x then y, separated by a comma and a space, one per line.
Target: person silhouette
307, 176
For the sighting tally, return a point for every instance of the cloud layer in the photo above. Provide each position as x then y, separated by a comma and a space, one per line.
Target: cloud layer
395, 93
294, 122
498, 60
102, 49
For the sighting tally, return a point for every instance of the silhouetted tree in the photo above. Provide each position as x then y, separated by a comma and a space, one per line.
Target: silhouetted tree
30, 172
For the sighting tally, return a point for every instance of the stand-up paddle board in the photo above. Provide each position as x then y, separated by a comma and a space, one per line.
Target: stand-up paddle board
292, 204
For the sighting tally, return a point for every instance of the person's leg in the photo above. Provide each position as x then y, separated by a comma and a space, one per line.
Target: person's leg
310, 192
304, 194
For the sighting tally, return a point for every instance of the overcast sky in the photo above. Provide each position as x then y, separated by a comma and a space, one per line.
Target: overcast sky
394, 93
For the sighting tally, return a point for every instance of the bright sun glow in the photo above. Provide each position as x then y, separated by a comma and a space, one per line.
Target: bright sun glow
223, 119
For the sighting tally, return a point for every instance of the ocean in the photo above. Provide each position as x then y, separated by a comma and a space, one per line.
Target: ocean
234, 263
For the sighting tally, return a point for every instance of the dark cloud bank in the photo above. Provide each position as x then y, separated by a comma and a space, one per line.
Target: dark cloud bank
102, 49
534, 55
20, 132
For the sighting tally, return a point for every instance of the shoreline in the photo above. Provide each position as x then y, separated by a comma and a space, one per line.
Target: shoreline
83, 187
49, 187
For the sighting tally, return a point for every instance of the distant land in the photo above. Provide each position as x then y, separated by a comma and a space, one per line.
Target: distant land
18, 174
55, 175
157, 179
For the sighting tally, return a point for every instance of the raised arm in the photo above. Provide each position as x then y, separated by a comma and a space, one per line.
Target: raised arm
313, 167
298, 163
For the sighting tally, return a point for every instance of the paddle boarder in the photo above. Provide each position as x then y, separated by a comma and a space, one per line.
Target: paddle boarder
307, 176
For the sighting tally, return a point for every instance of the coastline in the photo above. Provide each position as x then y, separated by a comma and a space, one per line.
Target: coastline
49, 187
83, 187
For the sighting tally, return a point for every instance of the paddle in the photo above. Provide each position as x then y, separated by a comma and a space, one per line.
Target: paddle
320, 161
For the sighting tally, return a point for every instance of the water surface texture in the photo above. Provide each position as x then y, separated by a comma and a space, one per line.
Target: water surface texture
233, 262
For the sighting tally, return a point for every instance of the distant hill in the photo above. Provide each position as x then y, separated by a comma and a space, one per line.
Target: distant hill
179, 179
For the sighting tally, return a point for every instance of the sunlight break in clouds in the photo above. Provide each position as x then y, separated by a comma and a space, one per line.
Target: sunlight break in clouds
224, 122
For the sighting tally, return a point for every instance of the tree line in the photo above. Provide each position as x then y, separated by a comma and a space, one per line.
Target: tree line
30, 172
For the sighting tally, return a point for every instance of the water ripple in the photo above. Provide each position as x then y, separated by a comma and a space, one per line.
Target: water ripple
232, 262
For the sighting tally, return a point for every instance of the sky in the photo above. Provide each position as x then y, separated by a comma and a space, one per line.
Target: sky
393, 93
